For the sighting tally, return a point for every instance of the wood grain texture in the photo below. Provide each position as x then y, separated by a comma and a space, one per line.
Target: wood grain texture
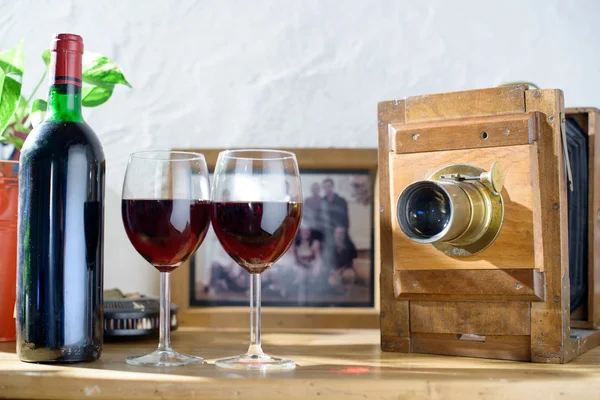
587, 340
514, 246
515, 348
550, 319
580, 323
465, 133
313, 158
471, 285
543, 189
581, 341
282, 317
395, 320
407, 168
472, 103
334, 364
506, 318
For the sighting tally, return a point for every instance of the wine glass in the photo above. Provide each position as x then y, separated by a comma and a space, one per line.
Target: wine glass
165, 211
256, 210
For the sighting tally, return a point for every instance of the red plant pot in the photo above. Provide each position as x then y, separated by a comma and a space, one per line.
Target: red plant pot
9, 190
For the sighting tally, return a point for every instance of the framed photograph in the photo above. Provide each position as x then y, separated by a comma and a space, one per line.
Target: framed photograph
329, 276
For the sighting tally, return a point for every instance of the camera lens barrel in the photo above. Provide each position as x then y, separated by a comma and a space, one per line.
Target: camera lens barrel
443, 211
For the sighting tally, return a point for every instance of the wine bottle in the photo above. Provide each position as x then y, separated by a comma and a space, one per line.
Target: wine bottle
60, 224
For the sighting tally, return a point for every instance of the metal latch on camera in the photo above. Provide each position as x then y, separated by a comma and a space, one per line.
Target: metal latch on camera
493, 179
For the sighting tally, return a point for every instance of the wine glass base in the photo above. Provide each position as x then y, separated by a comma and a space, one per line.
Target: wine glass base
256, 362
163, 358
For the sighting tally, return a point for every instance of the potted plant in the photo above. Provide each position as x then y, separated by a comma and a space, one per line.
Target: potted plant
18, 115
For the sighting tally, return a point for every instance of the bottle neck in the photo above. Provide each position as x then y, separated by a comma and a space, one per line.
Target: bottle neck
64, 103
64, 95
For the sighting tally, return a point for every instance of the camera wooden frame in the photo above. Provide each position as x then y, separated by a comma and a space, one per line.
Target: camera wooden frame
512, 300
288, 317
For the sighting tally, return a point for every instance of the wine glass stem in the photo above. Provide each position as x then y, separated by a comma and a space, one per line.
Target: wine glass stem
255, 347
165, 312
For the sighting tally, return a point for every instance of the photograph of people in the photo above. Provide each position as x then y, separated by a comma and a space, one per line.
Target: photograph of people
330, 262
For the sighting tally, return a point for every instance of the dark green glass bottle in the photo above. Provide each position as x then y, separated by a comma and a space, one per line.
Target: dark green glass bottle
60, 228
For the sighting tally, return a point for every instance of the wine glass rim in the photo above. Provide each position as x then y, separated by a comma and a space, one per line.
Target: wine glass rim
235, 154
192, 156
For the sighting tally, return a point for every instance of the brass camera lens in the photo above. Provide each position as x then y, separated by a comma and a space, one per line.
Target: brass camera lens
458, 209
430, 212
425, 210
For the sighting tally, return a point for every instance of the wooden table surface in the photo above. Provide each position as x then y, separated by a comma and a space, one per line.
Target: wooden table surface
331, 364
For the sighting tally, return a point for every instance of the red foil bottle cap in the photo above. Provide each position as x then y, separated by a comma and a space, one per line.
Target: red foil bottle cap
65, 59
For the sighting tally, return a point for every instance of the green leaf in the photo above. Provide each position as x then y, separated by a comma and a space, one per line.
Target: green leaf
8, 137
95, 95
46, 57
12, 61
2, 76
14, 140
39, 105
4, 136
22, 108
38, 111
19, 118
11, 94
102, 71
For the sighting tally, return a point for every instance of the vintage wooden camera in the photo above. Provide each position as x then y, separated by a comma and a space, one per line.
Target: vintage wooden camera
489, 228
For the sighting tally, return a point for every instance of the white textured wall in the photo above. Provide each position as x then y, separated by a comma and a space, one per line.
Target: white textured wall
292, 72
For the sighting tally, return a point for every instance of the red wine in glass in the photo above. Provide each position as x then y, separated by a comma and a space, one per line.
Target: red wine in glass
256, 210
166, 232
256, 234
166, 213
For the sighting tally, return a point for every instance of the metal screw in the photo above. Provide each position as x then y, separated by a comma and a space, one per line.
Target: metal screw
518, 286
551, 118
381, 209
455, 251
415, 136
380, 123
416, 283
556, 299
507, 132
555, 206
536, 93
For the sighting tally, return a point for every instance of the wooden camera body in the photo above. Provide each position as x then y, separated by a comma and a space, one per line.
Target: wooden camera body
474, 258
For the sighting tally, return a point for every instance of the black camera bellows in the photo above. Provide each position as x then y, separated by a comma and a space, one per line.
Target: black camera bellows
577, 144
